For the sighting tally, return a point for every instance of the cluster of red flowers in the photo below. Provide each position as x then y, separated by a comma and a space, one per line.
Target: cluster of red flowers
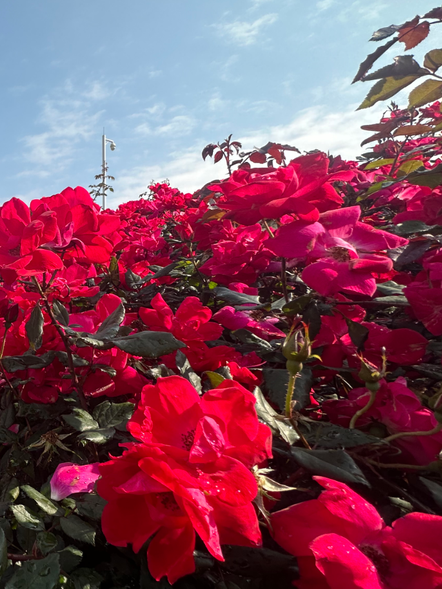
223, 274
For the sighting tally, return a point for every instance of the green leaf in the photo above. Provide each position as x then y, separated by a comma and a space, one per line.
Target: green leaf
36, 574
70, 558
91, 506
43, 502
78, 529
358, 333
235, 298
186, 370
434, 489
277, 424
429, 91
276, 381
411, 227
379, 163
390, 288
297, 306
86, 579
14, 363
148, 344
46, 542
430, 178
34, 328
26, 518
60, 313
385, 89
331, 436
393, 300
3, 552
408, 167
110, 326
81, 420
98, 436
336, 464
112, 414
433, 59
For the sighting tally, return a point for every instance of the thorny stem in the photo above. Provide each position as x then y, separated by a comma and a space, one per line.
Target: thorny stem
2, 369
430, 432
363, 410
284, 279
65, 341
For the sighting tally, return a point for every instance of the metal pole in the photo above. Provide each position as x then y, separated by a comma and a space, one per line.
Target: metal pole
104, 171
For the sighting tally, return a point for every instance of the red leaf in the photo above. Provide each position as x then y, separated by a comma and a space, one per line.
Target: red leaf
258, 158
275, 153
412, 34
218, 156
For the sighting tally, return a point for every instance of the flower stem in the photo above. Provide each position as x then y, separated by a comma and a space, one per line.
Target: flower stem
289, 395
430, 432
363, 410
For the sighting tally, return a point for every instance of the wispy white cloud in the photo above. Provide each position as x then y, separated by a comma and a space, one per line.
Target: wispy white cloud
256, 4
324, 5
245, 33
177, 126
359, 10
338, 133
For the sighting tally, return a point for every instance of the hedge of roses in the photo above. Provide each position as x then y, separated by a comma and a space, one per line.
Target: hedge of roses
183, 377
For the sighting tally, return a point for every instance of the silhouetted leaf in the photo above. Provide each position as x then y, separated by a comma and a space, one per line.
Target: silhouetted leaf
403, 65
368, 62
331, 436
385, 32
235, 298
3, 552
358, 333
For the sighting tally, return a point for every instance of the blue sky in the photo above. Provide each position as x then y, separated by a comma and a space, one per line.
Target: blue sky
166, 78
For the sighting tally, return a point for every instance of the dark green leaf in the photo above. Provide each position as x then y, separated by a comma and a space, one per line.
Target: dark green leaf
86, 579
336, 464
247, 337
276, 381
112, 414
26, 518
148, 344
36, 574
3, 552
296, 306
14, 363
312, 317
43, 502
132, 280
81, 420
277, 424
410, 228
78, 529
186, 370
390, 288
393, 300
431, 178
77, 360
60, 313
358, 333
413, 251
110, 326
34, 328
70, 558
91, 506
435, 490
331, 436
235, 298
98, 436
46, 542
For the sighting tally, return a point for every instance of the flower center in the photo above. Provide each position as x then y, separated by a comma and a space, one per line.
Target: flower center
340, 254
188, 438
378, 558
